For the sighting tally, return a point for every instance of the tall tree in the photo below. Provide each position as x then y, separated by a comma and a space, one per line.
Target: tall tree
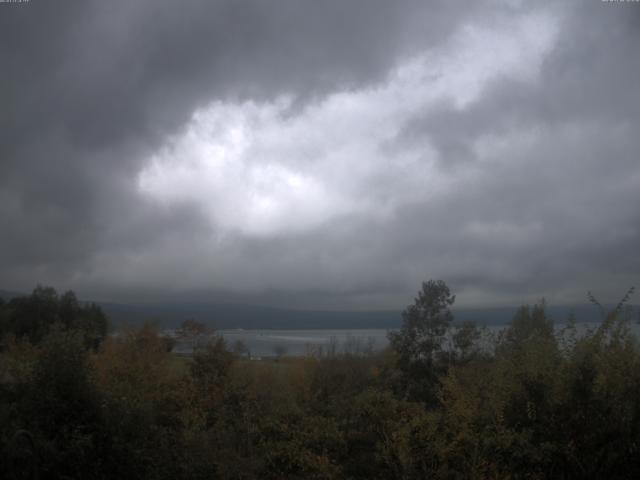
418, 344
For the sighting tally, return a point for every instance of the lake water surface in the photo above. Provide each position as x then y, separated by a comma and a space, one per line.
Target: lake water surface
268, 343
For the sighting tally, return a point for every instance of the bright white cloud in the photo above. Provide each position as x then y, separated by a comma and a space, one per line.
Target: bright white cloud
258, 169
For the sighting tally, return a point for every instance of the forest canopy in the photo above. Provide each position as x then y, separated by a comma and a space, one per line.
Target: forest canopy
444, 400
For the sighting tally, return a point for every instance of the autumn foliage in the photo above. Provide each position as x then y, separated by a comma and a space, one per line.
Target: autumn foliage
443, 401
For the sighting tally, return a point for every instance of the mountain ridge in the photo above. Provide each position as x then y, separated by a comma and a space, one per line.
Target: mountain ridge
222, 316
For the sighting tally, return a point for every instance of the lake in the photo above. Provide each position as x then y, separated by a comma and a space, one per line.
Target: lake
269, 343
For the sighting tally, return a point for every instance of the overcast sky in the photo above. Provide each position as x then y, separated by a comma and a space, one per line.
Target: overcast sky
320, 154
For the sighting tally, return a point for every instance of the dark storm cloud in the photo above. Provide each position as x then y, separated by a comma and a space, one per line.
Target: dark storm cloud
579, 184
540, 170
90, 86
103, 72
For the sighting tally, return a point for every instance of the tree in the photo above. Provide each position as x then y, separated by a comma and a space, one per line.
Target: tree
209, 373
193, 331
240, 348
529, 324
60, 407
211, 366
425, 324
192, 328
465, 341
143, 402
279, 350
32, 317
418, 344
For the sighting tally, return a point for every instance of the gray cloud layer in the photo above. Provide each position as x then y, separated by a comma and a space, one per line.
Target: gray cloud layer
320, 153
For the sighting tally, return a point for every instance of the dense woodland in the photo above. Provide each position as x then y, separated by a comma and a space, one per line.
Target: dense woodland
443, 401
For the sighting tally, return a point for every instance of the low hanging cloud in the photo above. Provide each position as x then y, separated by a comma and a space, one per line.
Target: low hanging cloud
321, 155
